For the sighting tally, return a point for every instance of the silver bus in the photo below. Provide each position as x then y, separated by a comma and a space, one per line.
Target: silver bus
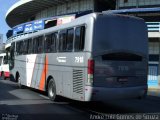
95, 57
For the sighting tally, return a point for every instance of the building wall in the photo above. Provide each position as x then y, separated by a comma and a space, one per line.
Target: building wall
82, 5
137, 3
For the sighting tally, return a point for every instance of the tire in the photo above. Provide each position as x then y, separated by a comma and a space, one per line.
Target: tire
52, 90
3, 76
19, 82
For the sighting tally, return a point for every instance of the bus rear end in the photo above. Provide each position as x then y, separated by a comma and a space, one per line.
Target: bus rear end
117, 68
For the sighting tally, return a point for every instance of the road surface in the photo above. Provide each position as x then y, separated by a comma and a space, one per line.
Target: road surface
29, 104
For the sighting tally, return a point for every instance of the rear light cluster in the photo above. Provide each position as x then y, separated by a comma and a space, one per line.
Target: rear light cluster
90, 71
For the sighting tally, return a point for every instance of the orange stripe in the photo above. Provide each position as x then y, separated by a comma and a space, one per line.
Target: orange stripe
43, 75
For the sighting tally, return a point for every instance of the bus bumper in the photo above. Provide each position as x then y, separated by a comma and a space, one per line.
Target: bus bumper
103, 94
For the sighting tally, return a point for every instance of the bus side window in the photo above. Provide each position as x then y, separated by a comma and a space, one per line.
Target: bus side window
12, 51
79, 39
30, 44
40, 44
62, 41
70, 37
53, 42
25, 49
48, 43
5, 60
34, 45
19, 47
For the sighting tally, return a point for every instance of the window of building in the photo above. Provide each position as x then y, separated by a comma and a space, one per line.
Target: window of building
70, 37
62, 41
79, 38
154, 48
154, 58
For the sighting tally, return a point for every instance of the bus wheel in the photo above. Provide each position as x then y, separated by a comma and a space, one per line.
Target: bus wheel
3, 76
19, 82
52, 90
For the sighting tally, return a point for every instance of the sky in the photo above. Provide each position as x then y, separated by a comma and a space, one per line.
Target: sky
4, 6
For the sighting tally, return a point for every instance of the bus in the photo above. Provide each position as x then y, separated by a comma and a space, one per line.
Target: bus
4, 66
96, 57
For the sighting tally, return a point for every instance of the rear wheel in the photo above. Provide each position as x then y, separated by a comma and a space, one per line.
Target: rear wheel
3, 76
52, 90
19, 82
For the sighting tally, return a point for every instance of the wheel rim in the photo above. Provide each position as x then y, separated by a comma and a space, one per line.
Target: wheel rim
19, 79
51, 90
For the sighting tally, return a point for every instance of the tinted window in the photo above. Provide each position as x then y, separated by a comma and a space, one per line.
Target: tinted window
62, 41
30, 46
19, 48
11, 65
51, 42
5, 60
12, 50
25, 49
79, 38
38, 44
70, 37
34, 45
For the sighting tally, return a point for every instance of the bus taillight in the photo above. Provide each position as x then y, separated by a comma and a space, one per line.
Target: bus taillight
90, 71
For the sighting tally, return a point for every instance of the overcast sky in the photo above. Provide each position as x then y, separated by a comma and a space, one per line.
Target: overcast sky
4, 6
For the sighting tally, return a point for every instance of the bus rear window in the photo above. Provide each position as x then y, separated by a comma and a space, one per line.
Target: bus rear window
121, 57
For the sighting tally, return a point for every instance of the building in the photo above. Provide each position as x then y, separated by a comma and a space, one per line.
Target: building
1, 44
23, 15
29, 10
1, 39
28, 16
149, 10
